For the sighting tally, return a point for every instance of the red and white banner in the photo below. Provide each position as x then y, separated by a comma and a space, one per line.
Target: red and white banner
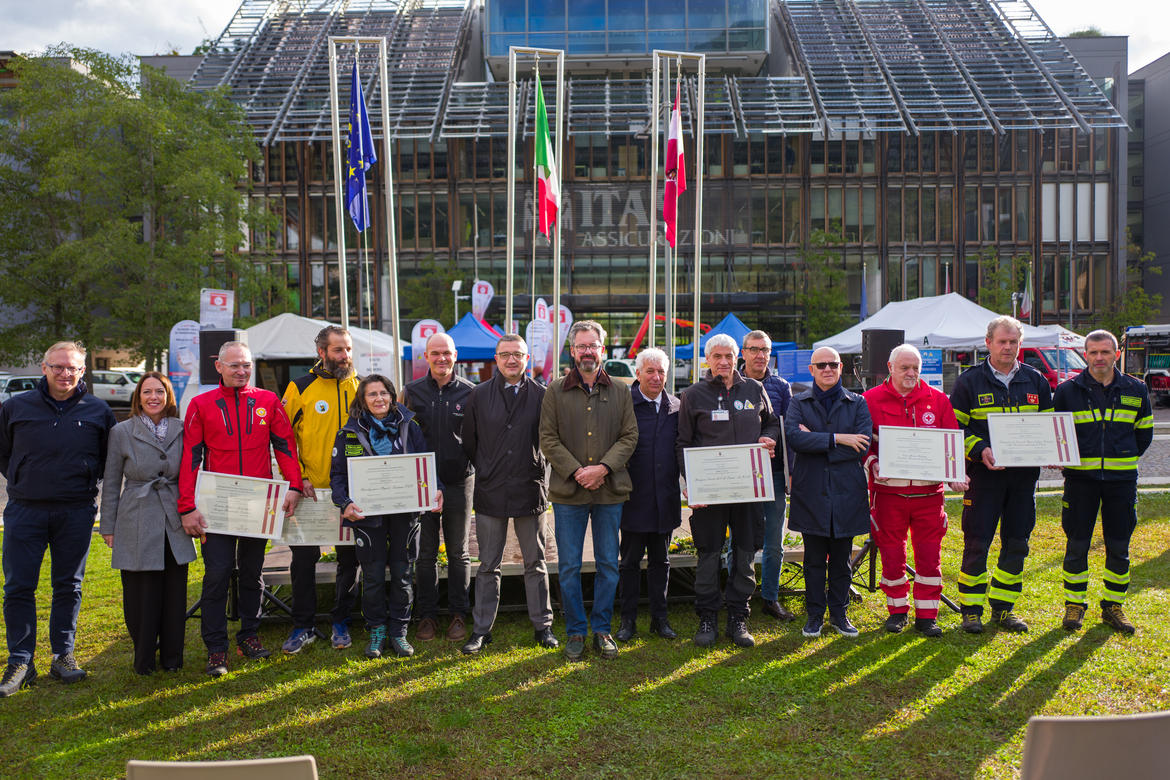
216, 308
423, 330
558, 333
676, 178
537, 335
481, 297
548, 181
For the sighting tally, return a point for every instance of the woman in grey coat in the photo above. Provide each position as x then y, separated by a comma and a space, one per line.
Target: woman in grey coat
140, 522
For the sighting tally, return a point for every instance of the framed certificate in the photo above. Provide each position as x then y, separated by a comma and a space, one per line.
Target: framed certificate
929, 454
317, 522
734, 474
393, 484
241, 506
1034, 439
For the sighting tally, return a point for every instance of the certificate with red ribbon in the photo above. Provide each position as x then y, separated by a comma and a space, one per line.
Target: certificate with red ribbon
926, 454
241, 506
1034, 439
393, 484
733, 474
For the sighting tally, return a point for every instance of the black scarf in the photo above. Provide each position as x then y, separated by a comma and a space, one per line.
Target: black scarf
827, 398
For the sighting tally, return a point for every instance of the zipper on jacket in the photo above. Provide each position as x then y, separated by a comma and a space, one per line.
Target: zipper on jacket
239, 432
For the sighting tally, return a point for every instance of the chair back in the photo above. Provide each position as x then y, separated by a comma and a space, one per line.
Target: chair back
280, 768
1134, 747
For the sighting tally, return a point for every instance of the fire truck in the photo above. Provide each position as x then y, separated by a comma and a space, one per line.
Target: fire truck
1145, 351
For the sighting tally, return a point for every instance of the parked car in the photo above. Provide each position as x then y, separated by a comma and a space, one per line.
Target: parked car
1055, 363
620, 369
113, 387
11, 385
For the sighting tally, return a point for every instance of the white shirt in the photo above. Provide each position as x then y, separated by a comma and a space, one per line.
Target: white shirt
657, 401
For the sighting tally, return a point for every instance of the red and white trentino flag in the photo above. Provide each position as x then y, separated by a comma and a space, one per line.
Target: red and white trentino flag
548, 192
676, 178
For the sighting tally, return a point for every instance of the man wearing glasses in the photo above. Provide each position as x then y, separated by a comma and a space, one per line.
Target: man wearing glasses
500, 438
723, 409
588, 433
52, 452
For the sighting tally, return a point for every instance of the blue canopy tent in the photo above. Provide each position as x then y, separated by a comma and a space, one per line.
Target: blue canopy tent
731, 325
473, 340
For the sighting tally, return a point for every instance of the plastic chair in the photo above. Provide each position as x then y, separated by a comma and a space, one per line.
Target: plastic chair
1134, 747
280, 768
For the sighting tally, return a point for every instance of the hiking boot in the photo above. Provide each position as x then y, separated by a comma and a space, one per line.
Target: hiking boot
341, 638
812, 628
972, 623
401, 647
377, 642
476, 643
1008, 620
927, 627
896, 622
705, 636
17, 677
604, 645
250, 647
575, 647
65, 669
427, 630
298, 639
1115, 617
457, 631
627, 631
843, 626
1074, 616
737, 631
216, 664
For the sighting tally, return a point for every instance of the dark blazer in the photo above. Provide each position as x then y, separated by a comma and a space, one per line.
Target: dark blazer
829, 492
655, 505
501, 436
140, 496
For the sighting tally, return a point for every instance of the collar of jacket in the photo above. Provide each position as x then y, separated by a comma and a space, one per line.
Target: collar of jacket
640, 398
319, 370
574, 379
920, 392
736, 379
43, 387
502, 384
1085, 377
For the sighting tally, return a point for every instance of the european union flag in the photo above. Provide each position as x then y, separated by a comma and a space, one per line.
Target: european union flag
359, 155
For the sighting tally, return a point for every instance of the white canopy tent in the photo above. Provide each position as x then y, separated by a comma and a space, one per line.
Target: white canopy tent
290, 336
1068, 338
945, 321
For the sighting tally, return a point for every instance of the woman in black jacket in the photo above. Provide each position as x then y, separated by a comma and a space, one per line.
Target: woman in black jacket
378, 425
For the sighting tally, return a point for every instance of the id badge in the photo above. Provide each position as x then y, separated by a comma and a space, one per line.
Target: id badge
720, 415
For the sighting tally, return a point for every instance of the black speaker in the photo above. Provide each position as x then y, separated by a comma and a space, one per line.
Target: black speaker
876, 346
209, 343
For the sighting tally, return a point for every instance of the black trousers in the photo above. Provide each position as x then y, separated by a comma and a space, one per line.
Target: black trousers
826, 558
155, 606
1006, 499
221, 555
303, 572
709, 528
394, 544
656, 547
1117, 501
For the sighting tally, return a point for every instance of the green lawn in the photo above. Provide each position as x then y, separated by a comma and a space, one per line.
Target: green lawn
878, 706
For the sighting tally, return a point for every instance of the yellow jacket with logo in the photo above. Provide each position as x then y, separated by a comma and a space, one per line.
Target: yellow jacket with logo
318, 406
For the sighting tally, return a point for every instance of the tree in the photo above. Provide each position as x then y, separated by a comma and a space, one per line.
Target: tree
121, 196
822, 293
1089, 32
999, 279
1133, 305
427, 294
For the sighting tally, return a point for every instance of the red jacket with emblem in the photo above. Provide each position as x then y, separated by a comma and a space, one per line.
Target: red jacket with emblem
229, 430
923, 407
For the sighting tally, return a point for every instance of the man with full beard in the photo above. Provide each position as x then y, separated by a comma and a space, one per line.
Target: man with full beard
318, 406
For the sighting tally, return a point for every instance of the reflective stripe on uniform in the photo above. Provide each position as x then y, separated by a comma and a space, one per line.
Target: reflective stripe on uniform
971, 580
891, 583
999, 594
1007, 578
1145, 422
962, 417
924, 604
970, 443
897, 602
928, 580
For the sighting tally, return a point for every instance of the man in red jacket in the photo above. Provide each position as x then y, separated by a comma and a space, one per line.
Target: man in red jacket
903, 506
231, 430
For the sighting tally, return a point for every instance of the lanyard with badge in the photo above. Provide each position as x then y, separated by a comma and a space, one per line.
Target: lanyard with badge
720, 414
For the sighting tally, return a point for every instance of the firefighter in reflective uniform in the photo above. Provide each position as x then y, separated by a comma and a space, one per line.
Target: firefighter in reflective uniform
997, 495
1115, 425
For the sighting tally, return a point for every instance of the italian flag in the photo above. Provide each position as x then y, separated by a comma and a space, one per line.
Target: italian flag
676, 178
548, 183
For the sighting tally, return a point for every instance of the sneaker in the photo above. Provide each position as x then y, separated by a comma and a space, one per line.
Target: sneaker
216, 664
457, 631
65, 669
250, 647
843, 626
298, 639
401, 647
1074, 616
1006, 619
1115, 617
546, 638
341, 638
605, 646
896, 622
705, 636
972, 623
427, 630
17, 677
927, 627
813, 627
737, 631
575, 647
377, 642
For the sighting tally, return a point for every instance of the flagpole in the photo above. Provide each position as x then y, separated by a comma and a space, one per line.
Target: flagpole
698, 232
653, 280
391, 245
670, 255
510, 242
560, 123
339, 198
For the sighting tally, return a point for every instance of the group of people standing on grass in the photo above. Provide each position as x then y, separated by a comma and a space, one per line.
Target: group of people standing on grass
609, 458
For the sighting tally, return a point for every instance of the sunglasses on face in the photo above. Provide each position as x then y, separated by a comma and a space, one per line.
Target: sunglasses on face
833, 364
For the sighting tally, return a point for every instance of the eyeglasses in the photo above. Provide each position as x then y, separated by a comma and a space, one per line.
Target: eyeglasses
237, 366
68, 370
833, 364
588, 347
378, 394
511, 355
754, 350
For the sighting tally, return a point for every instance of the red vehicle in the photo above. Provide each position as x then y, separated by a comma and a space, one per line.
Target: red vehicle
1145, 354
1055, 363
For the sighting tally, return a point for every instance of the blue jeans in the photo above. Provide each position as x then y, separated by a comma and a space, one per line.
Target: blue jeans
571, 520
28, 531
774, 524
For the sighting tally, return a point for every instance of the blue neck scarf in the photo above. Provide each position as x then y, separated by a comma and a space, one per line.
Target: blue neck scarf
827, 397
384, 433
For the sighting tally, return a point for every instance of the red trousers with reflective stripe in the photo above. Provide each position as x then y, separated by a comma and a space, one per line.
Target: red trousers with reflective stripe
925, 520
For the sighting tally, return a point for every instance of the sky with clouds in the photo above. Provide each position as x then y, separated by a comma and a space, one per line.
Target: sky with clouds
154, 27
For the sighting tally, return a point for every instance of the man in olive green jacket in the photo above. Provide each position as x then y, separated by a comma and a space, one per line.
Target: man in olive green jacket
588, 432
